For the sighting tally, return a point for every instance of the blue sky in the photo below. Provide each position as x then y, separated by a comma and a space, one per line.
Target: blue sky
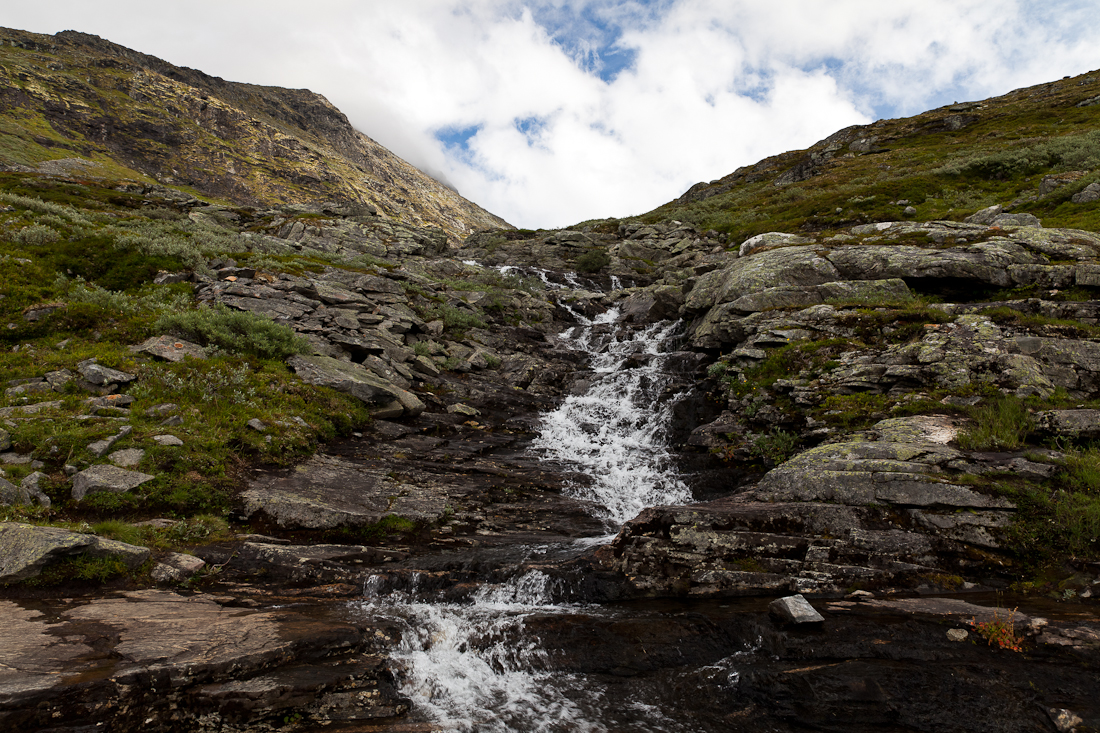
549, 112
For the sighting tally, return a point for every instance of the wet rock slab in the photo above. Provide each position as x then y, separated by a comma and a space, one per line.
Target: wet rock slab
155, 660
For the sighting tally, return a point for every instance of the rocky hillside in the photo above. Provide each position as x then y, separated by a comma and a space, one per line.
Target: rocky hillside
260, 408
75, 104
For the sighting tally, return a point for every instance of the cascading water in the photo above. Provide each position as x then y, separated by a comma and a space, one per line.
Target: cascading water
471, 666
615, 432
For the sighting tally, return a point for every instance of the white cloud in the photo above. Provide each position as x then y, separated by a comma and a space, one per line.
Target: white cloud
712, 84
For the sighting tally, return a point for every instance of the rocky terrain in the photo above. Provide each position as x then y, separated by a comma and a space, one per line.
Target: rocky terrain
232, 429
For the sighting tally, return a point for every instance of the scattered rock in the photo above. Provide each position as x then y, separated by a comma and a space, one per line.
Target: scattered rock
1064, 720
167, 440
257, 425
795, 609
5, 440
106, 478
460, 409
985, 216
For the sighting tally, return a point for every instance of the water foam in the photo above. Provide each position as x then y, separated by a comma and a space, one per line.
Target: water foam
615, 432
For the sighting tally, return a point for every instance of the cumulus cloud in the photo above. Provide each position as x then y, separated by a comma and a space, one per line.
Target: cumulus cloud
548, 112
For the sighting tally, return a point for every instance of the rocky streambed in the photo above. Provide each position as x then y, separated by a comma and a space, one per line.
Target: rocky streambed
788, 418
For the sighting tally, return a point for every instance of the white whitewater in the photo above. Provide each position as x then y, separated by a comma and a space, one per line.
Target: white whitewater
471, 666
615, 432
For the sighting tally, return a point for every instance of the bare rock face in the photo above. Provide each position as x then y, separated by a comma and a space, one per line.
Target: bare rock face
26, 549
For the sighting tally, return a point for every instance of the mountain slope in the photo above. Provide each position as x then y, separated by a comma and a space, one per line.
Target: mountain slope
77, 104
946, 163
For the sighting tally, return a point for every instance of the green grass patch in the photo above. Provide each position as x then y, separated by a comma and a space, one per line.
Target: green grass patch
998, 424
240, 332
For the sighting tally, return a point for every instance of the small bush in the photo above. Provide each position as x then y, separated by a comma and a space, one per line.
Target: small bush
236, 331
593, 261
36, 235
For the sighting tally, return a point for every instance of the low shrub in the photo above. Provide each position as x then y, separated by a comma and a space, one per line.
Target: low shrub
236, 331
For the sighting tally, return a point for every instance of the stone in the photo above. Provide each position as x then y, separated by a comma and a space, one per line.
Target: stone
102, 376
5, 440
257, 425
1071, 423
957, 634
102, 477
170, 348
460, 409
31, 409
26, 549
795, 609
167, 440
177, 567
1088, 195
1016, 220
910, 211
32, 486
126, 458
171, 422
986, 215
388, 399
1064, 720
100, 448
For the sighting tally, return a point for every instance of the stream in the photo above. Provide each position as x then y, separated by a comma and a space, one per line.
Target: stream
502, 658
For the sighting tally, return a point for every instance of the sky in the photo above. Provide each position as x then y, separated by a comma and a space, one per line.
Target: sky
552, 112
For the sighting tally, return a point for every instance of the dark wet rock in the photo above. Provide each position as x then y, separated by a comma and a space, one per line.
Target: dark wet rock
316, 562
158, 661
102, 477
795, 610
26, 549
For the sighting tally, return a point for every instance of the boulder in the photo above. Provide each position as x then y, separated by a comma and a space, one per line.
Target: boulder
1016, 220
389, 400
769, 239
1071, 423
170, 349
1090, 193
986, 215
795, 610
100, 447
103, 477
102, 376
25, 549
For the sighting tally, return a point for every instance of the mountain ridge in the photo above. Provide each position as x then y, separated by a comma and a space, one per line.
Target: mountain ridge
132, 115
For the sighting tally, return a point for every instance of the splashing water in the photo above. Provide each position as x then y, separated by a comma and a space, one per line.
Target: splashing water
471, 667
615, 432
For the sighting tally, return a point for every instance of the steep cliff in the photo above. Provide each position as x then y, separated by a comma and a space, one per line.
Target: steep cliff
77, 104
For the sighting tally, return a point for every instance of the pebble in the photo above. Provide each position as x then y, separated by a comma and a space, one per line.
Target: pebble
167, 440
957, 634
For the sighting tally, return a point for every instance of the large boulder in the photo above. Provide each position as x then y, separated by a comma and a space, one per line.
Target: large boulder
25, 549
388, 399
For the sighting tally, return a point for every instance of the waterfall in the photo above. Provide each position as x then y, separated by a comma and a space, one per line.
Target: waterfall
473, 666
615, 432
